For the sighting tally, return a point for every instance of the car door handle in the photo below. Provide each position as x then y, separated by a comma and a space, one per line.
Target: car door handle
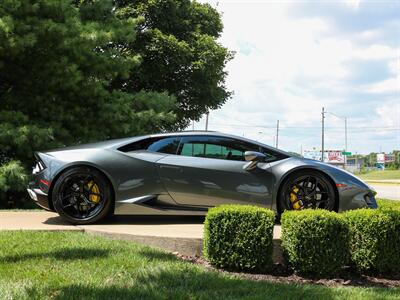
169, 167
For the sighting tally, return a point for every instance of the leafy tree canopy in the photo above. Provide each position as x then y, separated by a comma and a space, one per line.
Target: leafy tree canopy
176, 40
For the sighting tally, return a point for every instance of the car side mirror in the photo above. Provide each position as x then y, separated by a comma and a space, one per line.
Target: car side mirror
253, 159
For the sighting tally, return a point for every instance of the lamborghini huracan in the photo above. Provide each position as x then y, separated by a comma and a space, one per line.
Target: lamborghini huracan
186, 173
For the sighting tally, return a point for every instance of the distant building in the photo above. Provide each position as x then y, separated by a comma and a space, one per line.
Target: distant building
382, 159
356, 161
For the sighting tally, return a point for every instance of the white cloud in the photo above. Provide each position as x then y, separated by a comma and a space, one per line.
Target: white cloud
352, 3
368, 34
391, 85
375, 51
288, 68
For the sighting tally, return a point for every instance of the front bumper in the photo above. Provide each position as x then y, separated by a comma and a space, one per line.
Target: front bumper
38, 196
354, 198
370, 200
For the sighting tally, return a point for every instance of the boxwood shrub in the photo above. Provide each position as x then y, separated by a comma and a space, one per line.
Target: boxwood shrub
315, 242
239, 237
375, 239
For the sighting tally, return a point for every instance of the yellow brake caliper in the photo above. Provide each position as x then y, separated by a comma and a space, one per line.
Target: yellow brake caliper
94, 192
297, 204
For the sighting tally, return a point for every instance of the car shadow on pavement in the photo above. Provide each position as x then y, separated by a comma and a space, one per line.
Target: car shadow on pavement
57, 220
135, 220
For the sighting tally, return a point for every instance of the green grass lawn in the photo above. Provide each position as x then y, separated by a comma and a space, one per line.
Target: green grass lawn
381, 175
70, 265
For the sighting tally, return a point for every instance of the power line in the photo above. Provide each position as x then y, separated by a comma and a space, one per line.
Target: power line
310, 127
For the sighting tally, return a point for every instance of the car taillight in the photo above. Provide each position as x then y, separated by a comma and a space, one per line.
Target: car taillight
39, 167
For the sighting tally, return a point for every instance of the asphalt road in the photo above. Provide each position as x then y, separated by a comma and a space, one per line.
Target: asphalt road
387, 191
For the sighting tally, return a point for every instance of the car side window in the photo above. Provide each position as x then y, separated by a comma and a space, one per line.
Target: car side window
168, 145
215, 147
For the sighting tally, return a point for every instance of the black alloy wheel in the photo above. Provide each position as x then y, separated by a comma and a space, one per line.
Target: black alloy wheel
309, 189
82, 195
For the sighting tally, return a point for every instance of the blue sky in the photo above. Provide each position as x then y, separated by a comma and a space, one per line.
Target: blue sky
294, 57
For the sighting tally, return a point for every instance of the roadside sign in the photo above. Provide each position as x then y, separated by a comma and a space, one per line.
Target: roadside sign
346, 153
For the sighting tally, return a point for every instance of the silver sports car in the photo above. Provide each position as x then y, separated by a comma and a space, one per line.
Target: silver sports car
186, 173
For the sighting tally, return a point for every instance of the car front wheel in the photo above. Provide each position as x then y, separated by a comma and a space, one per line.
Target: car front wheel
309, 189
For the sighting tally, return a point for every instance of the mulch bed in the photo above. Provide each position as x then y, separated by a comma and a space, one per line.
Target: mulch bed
282, 274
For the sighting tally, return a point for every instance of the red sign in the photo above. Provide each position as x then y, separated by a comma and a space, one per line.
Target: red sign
335, 156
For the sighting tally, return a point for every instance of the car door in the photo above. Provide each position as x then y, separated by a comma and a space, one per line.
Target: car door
208, 171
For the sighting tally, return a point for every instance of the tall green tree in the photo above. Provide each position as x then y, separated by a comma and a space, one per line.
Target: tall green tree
177, 42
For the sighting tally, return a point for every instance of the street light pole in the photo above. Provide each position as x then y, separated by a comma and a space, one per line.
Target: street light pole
323, 133
207, 121
277, 134
345, 132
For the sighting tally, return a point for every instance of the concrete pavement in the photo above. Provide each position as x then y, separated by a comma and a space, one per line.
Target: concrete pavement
396, 181
33, 220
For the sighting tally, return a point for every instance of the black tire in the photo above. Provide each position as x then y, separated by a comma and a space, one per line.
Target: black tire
307, 189
75, 200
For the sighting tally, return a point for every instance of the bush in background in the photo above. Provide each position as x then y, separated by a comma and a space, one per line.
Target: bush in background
12, 178
384, 204
375, 239
239, 237
315, 242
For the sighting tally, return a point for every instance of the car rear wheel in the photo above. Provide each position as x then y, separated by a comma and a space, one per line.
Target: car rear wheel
309, 189
82, 195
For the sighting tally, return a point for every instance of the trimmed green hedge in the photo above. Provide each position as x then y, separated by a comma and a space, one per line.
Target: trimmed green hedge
239, 237
315, 242
388, 204
375, 239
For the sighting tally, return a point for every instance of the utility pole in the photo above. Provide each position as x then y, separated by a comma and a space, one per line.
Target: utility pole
345, 141
207, 120
356, 159
323, 133
277, 134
